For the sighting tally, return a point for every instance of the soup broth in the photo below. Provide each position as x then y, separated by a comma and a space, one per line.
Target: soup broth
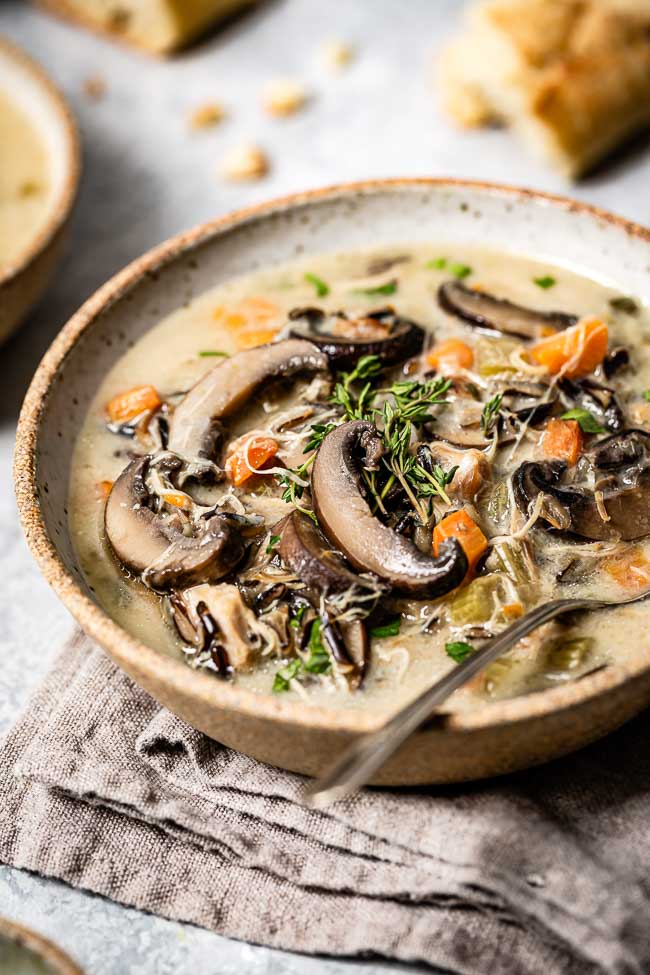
494, 446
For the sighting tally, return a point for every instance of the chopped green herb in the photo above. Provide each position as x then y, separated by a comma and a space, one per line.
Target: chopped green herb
387, 629
296, 619
646, 395
490, 413
319, 432
458, 651
319, 660
586, 420
460, 271
382, 289
545, 282
625, 304
273, 541
437, 264
321, 287
285, 675
204, 353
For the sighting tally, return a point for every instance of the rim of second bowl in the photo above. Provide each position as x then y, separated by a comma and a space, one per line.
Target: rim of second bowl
124, 647
67, 193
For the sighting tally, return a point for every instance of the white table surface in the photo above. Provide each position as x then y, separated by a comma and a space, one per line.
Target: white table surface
145, 178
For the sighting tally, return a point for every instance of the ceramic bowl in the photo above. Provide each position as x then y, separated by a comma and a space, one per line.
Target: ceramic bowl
496, 737
22, 950
25, 278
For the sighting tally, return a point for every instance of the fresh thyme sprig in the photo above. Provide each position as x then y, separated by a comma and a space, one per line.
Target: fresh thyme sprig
490, 414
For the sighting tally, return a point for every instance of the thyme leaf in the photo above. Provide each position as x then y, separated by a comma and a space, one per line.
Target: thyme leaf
458, 651
490, 413
321, 287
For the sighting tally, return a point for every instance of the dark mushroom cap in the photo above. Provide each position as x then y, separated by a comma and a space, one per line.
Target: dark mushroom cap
485, 311
156, 547
367, 544
310, 556
599, 400
195, 428
404, 339
624, 459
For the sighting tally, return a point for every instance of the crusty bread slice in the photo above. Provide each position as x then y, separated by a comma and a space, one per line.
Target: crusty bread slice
573, 76
156, 26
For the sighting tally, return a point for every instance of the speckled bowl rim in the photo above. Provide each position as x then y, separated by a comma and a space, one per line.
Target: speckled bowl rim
42, 947
221, 695
68, 192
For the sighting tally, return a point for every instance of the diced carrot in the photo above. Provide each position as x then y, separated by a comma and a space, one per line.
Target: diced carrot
104, 488
459, 525
630, 569
125, 406
251, 453
562, 440
574, 352
450, 355
258, 310
178, 500
234, 322
251, 337
512, 611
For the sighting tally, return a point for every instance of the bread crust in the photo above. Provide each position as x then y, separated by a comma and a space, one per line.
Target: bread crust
573, 76
176, 37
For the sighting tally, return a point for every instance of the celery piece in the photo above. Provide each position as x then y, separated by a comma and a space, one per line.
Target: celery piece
492, 356
497, 506
566, 654
476, 602
496, 674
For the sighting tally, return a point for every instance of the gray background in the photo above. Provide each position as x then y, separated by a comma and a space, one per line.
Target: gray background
147, 177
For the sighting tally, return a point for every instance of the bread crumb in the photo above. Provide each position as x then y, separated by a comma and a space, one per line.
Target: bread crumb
337, 54
206, 115
94, 88
244, 162
283, 97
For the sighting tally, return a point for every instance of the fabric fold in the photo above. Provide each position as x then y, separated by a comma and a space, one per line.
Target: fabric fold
544, 870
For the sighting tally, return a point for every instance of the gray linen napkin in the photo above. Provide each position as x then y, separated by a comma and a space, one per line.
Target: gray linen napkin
544, 871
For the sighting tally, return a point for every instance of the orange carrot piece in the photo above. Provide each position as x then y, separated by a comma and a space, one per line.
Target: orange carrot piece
125, 406
574, 352
258, 310
178, 500
252, 453
630, 569
562, 440
459, 525
251, 337
450, 355
104, 488
512, 611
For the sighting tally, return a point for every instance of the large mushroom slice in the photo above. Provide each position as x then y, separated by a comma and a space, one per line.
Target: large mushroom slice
215, 618
156, 546
344, 340
367, 544
485, 311
195, 428
618, 508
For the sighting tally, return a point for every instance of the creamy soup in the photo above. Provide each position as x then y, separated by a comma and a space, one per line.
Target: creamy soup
428, 443
24, 181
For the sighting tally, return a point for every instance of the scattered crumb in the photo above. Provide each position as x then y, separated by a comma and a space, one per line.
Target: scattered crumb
283, 97
94, 88
337, 54
206, 115
244, 162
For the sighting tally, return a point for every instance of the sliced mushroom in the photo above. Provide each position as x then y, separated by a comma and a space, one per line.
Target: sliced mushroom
195, 429
367, 544
156, 546
619, 508
311, 557
485, 311
401, 340
217, 619
528, 402
599, 400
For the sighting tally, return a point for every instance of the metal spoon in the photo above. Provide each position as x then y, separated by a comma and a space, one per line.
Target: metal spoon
362, 759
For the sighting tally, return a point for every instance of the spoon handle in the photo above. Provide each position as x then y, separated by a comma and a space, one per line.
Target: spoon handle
362, 759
